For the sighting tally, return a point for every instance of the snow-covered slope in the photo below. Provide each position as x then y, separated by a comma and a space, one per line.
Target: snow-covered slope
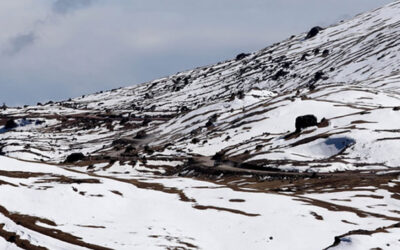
353, 82
216, 134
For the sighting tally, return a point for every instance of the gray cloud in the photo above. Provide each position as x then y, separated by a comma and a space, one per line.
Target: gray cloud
20, 42
59, 7
66, 6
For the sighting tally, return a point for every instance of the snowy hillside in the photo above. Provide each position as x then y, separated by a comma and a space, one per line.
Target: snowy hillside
211, 158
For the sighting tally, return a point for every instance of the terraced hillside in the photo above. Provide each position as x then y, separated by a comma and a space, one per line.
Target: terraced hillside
211, 158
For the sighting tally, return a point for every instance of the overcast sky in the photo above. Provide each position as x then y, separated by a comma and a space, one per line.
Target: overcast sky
56, 49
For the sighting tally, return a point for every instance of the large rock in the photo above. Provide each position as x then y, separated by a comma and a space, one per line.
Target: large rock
10, 124
141, 134
313, 32
305, 122
241, 56
74, 157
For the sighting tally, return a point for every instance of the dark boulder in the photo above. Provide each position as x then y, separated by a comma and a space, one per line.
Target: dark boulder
323, 123
184, 109
241, 56
153, 108
279, 74
10, 124
286, 65
146, 121
123, 121
325, 53
39, 122
242, 71
186, 80
313, 32
240, 94
232, 97
213, 118
304, 57
177, 80
129, 149
74, 157
209, 124
195, 140
148, 150
318, 76
305, 122
121, 141
195, 132
141, 134
219, 156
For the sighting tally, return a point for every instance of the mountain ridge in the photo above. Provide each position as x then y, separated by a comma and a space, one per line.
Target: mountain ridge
295, 69
292, 145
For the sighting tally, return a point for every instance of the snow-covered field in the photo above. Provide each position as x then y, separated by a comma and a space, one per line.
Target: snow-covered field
210, 158
57, 208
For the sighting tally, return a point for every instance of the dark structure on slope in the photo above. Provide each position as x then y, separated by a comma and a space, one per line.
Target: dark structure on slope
241, 56
313, 32
10, 124
325, 53
305, 122
74, 157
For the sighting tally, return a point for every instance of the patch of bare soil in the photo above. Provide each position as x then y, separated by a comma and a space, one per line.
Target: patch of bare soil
317, 216
7, 183
90, 226
339, 238
16, 240
175, 239
144, 185
21, 175
335, 207
235, 211
237, 200
31, 223
117, 192
67, 180
388, 139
